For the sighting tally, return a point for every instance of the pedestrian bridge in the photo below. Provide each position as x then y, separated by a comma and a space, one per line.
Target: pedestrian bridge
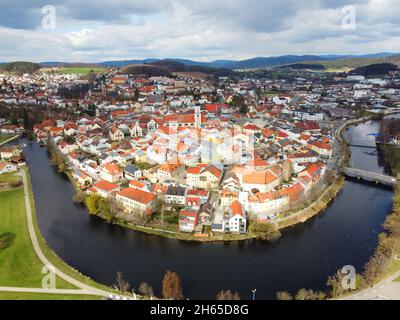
359, 145
370, 176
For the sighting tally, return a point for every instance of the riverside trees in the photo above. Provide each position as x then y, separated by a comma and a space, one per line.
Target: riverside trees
171, 286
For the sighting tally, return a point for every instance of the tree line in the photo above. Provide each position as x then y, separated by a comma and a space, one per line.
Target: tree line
171, 288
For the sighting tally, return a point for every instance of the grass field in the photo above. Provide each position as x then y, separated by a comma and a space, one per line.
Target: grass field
9, 177
19, 264
5, 137
45, 296
74, 70
53, 258
338, 70
269, 94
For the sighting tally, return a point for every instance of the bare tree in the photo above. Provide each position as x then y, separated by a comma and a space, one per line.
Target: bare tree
114, 209
304, 294
146, 290
284, 295
335, 284
375, 267
79, 197
122, 285
172, 288
228, 295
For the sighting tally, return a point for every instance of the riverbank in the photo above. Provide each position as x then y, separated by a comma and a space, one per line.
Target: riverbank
295, 218
315, 208
53, 258
383, 268
20, 262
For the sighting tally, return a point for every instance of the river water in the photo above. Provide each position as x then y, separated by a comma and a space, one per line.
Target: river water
344, 234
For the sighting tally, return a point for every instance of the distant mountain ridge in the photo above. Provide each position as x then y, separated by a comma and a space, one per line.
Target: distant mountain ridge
253, 63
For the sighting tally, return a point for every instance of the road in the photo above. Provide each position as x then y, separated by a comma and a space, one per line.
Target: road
83, 288
387, 289
52, 291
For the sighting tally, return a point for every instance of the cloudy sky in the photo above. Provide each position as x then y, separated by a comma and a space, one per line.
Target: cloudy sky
100, 30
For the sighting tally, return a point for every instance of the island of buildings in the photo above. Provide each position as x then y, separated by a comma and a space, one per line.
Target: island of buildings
195, 155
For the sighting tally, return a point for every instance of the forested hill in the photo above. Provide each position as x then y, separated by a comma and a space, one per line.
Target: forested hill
19, 67
375, 69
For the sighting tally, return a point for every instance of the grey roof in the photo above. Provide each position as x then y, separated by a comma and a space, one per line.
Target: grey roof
131, 169
176, 191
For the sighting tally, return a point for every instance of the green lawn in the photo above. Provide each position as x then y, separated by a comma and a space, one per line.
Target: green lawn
5, 137
45, 296
52, 256
9, 177
75, 70
82, 70
144, 165
269, 94
19, 264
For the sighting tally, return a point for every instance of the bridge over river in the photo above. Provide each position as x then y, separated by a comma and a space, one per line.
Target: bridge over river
370, 176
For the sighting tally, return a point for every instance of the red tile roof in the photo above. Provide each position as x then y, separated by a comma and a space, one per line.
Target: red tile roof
214, 171
307, 125
137, 195
105, 185
137, 184
259, 177
236, 208
194, 170
112, 168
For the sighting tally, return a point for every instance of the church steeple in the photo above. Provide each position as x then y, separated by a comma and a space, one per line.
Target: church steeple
197, 116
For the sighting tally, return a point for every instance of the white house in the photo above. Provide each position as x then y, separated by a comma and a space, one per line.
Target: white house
135, 130
7, 167
176, 195
111, 172
133, 200
235, 220
105, 188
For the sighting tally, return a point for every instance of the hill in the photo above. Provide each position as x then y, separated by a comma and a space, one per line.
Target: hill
255, 63
303, 66
353, 63
147, 70
264, 62
375, 69
124, 63
19, 67
174, 66
329, 61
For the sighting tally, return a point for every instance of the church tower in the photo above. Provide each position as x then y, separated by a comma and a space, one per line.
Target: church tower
197, 116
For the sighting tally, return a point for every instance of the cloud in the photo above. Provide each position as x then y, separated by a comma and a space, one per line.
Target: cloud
204, 30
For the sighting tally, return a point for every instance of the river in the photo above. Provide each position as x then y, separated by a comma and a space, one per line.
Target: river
345, 234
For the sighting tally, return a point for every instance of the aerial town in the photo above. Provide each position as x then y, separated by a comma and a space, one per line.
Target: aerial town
171, 152
194, 155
